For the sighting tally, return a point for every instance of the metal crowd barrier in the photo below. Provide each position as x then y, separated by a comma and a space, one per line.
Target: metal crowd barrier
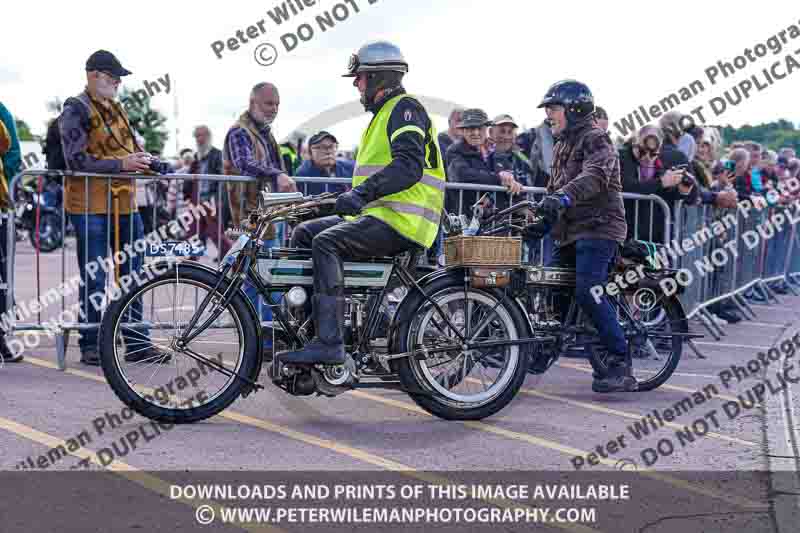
458, 194
735, 255
153, 210
461, 196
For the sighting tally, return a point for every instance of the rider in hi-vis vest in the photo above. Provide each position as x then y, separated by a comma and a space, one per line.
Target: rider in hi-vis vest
395, 204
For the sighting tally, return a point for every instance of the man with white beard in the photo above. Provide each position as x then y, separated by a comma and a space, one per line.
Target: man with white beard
250, 149
207, 160
96, 137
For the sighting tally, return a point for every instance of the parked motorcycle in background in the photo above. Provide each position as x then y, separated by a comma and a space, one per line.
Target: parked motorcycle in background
46, 198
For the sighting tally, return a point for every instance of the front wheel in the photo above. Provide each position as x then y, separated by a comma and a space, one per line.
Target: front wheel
155, 377
655, 357
462, 384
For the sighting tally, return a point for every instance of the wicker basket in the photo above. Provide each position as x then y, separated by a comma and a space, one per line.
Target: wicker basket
483, 251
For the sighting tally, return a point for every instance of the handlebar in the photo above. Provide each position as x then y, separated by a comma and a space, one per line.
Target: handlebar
509, 223
528, 204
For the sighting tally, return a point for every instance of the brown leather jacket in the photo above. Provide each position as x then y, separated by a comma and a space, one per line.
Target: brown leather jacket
586, 168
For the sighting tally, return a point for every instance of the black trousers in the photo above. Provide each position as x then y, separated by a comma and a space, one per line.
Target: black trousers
333, 241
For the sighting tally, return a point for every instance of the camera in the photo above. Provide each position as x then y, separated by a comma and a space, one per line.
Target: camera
687, 179
160, 167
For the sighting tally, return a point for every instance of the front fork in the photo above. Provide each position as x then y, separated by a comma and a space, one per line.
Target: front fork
191, 331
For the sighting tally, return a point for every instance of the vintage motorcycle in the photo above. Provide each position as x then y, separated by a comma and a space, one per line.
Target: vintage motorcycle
460, 342
654, 323
435, 345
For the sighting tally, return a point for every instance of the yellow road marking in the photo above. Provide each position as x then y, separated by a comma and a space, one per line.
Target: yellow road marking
120, 468
336, 447
263, 424
685, 374
572, 452
601, 409
582, 368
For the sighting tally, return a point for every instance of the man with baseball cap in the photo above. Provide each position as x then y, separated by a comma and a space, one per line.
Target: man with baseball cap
97, 137
105, 61
325, 164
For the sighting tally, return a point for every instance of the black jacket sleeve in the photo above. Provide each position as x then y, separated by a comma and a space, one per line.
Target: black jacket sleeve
215, 168
408, 151
459, 170
188, 185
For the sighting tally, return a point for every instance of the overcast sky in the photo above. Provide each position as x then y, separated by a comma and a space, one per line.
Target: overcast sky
500, 55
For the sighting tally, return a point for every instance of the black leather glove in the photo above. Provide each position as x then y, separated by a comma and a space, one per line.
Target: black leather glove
537, 229
350, 203
552, 207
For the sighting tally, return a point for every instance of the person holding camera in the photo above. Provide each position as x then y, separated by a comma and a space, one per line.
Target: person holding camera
646, 170
96, 137
735, 171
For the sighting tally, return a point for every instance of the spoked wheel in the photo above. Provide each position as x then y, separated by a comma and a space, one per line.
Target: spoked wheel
464, 384
655, 359
151, 373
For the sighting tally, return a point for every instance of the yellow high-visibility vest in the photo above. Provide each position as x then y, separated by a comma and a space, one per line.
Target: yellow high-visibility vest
414, 213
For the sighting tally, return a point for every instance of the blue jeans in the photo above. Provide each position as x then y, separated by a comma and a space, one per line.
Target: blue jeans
95, 239
592, 259
540, 251
262, 309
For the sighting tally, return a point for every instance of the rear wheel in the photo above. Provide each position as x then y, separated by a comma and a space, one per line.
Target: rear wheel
462, 384
655, 359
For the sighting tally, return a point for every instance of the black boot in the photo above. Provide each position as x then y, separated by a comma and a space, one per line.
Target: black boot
619, 377
6, 355
729, 316
327, 348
